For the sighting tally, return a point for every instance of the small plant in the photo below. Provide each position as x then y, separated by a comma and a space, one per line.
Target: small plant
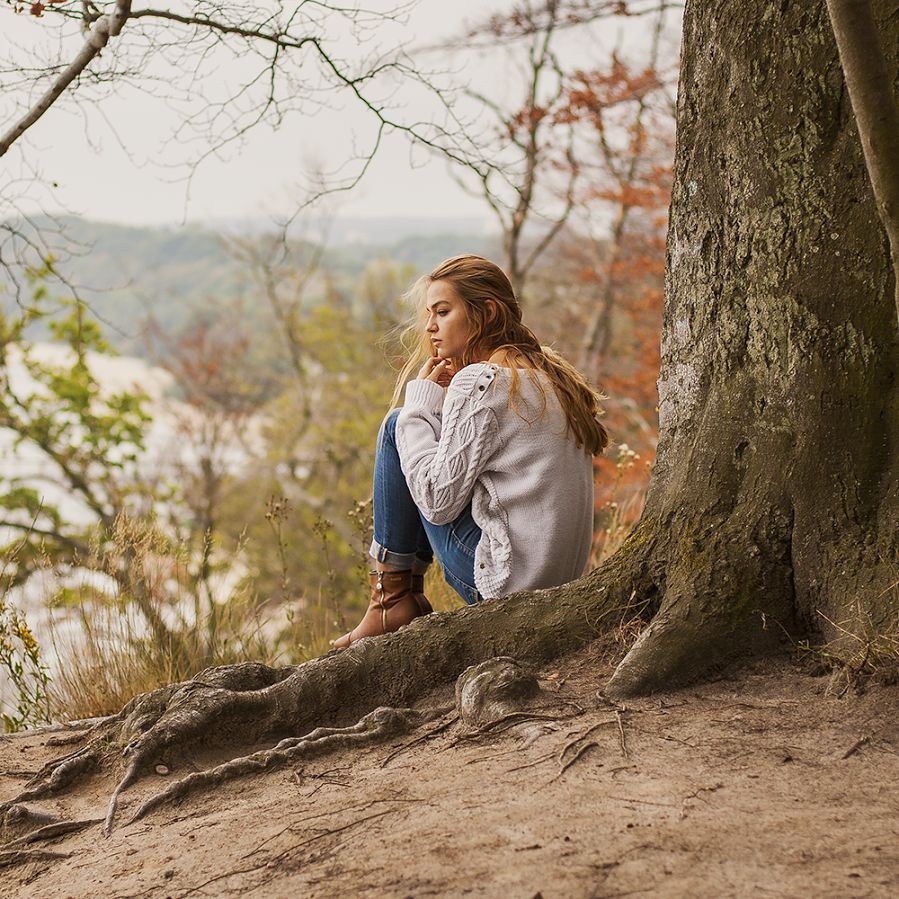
309, 624
276, 510
24, 669
360, 517
21, 663
618, 514
862, 651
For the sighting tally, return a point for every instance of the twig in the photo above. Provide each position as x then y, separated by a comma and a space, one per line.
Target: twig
575, 757
583, 736
861, 741
496, 755
696, 795
95, 40
24, 856
536, 761
509, 721
422, 739
620, 768
621, 734
280, 855
293, 825
585, 745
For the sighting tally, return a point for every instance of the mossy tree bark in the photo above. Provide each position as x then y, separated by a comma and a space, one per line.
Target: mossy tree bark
775, 500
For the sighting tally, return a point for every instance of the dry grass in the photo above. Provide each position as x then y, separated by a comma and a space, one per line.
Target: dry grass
620, 511
110, 656
861, 651
107, 657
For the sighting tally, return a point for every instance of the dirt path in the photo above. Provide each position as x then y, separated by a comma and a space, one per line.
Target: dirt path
754, 785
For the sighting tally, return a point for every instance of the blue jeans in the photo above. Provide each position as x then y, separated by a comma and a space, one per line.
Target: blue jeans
404, 537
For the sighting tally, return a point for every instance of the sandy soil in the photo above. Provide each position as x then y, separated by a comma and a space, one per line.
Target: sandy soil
758, 784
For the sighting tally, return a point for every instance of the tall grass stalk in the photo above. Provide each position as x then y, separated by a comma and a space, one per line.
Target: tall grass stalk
619, 513
106, 655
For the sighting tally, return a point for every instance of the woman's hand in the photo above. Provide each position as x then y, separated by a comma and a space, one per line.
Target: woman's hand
440, 371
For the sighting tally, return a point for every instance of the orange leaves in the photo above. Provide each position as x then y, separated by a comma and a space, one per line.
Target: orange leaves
643, 194
625, 121
33, 9
592, 93
526, 121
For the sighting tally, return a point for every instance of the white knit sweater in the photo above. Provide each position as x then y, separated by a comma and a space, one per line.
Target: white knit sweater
531, 488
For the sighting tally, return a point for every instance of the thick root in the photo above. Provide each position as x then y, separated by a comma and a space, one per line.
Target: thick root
250, 704
381, 724
494, 690
18, 820
56, 776
51, 831
702, 626
26, 856
672, 651
721, 603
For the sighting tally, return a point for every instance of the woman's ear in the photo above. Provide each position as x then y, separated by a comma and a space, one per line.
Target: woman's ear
491, 310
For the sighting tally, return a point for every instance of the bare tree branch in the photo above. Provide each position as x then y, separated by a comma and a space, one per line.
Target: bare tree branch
100, 32
527, 18
77, 546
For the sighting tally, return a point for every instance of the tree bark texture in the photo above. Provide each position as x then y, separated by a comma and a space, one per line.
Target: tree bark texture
775, 498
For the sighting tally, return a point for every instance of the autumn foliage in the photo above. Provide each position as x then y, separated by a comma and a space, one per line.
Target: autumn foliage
627, 116
581, 192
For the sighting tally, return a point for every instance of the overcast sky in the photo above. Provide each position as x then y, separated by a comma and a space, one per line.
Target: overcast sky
98, 179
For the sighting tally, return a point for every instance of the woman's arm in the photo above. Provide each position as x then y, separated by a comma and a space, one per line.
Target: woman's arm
445, 443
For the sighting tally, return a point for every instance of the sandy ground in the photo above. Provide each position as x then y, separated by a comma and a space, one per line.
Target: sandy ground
759, 784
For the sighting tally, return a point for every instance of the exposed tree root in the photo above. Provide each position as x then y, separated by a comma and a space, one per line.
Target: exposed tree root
49, 831
380, 724
720, 602
25, 856
19, 819
448, 721
57, 775
494, 690
249, 704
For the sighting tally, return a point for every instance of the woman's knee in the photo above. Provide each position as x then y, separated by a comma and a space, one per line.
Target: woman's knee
388, 426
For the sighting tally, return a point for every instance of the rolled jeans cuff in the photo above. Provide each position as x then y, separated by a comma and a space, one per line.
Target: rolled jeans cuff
400, 561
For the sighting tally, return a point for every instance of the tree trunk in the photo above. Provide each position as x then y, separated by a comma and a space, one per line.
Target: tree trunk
775, 498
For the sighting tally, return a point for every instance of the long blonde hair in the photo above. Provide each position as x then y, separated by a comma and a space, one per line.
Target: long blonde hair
494, 317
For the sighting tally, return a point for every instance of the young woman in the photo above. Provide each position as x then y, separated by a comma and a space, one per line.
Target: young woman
489, 461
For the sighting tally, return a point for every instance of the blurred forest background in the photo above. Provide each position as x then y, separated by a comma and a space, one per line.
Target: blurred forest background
188, 416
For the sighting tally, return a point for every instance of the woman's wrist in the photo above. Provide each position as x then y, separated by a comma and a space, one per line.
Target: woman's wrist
425, 395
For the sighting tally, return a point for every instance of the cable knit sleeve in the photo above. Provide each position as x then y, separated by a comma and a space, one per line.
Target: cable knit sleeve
444, 444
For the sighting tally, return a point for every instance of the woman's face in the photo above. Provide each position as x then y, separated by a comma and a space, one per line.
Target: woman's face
447, 323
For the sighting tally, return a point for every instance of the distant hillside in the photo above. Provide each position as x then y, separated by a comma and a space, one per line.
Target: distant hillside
126, 272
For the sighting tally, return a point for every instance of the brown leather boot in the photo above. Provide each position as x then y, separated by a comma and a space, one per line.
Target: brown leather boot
397, 597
